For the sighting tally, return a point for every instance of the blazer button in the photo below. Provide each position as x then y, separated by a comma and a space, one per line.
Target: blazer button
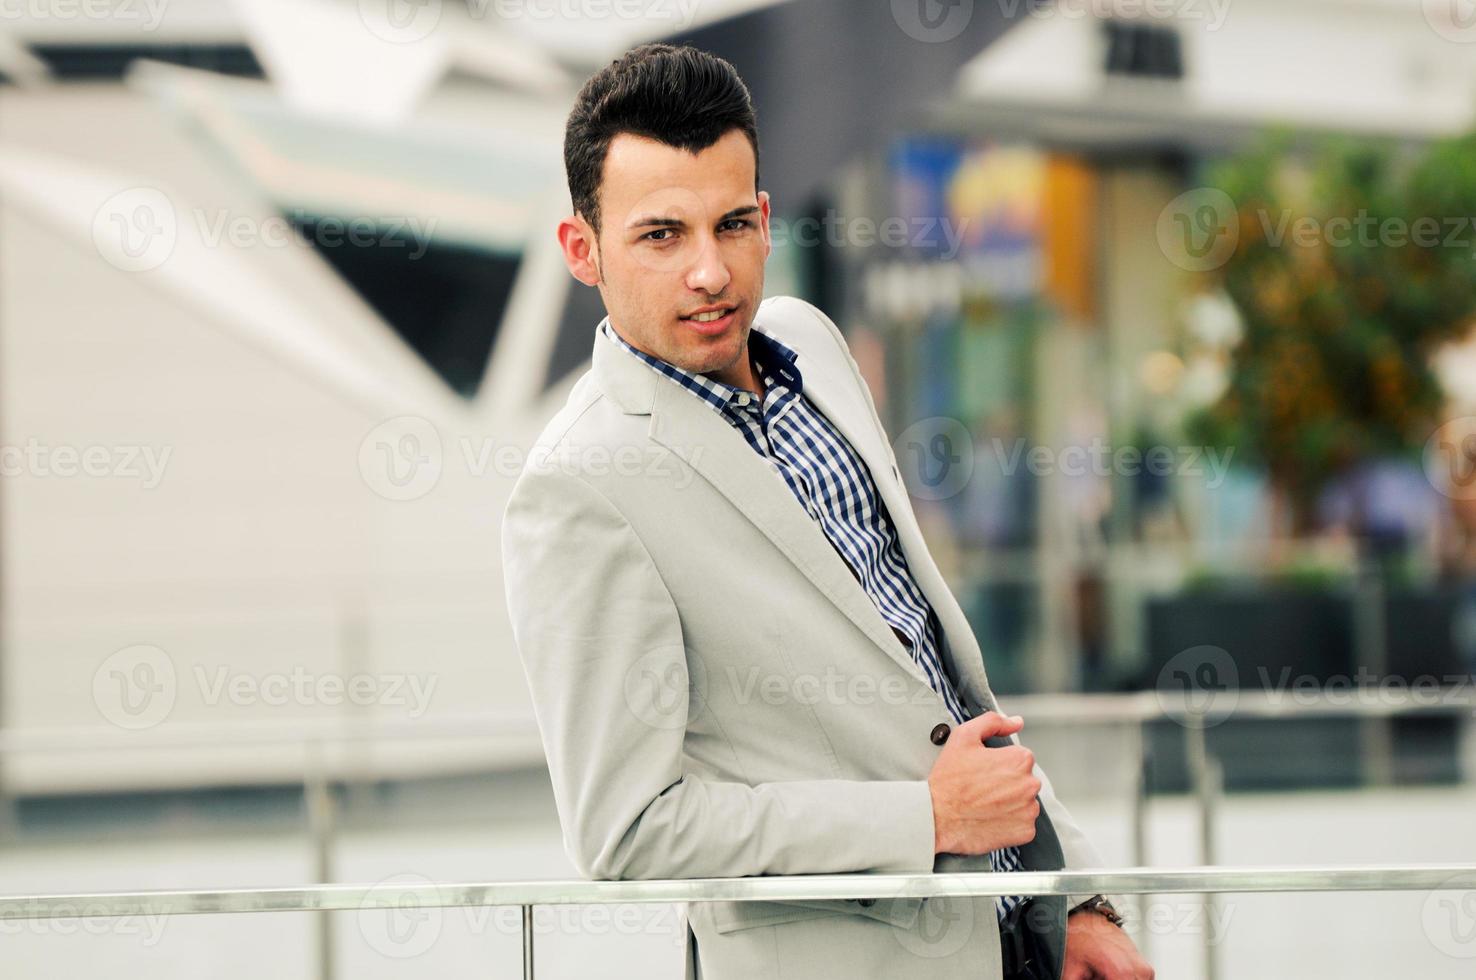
866, 903
939, 734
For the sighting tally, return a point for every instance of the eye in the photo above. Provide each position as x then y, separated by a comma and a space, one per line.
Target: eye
735, 224
651, 235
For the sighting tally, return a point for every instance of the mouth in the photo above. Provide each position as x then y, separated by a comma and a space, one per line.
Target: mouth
711, 321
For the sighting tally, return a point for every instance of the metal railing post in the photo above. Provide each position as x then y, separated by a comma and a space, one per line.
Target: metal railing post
1140, 820
1203, 774
321, 825
527, 942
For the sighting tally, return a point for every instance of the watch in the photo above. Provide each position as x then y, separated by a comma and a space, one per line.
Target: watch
1102, 907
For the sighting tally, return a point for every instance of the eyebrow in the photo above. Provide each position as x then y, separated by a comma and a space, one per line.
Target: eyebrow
679, 223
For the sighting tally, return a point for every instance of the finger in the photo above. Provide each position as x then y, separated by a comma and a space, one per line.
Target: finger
989, 724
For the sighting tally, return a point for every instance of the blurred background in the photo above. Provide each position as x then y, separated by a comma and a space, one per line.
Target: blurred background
1166, 304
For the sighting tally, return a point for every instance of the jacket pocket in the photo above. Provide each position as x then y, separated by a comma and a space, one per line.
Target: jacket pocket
734, 916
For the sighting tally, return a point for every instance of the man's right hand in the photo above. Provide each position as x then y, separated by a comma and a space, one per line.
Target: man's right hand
983, 798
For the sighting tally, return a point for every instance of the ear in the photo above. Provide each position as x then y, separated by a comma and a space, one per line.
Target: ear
763, 203
581, 251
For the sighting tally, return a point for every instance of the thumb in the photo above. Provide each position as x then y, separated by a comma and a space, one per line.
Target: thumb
989, 724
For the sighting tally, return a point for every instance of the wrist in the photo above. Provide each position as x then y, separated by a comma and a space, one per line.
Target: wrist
1099, 905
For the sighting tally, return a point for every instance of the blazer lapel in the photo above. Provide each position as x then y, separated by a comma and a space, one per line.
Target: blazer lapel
844, 405
711, 446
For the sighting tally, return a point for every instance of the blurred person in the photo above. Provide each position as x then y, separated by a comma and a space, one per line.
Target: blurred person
742, 657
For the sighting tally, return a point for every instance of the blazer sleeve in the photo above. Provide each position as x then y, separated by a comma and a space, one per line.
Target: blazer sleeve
1076, 848
594, 624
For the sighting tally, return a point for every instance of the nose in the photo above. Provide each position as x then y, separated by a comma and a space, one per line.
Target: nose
708, 272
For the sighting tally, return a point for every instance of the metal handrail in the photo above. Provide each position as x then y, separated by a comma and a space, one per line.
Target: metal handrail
405, 895
1056, 709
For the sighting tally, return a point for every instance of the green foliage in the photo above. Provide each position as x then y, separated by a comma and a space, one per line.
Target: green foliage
1353, 264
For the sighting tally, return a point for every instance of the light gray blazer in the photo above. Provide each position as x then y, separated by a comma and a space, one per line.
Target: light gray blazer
716, 693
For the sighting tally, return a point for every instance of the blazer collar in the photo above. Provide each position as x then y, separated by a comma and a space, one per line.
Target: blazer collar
626, 381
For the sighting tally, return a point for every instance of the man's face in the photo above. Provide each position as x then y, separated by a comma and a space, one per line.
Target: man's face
679, 235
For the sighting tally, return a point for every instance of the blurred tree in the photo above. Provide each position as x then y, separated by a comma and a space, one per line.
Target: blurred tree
1353, 263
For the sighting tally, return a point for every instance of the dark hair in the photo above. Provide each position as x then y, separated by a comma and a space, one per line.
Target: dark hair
681, 96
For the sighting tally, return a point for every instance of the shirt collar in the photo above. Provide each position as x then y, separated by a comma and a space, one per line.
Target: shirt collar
774, 360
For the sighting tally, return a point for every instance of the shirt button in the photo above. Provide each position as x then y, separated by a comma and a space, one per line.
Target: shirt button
939, 734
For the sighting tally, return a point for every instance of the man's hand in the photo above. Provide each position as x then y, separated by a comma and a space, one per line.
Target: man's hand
1098, 950
983, 798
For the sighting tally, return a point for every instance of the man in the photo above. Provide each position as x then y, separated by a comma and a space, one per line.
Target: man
743, 659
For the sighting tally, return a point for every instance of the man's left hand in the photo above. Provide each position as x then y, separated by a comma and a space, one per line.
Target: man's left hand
1098, 950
